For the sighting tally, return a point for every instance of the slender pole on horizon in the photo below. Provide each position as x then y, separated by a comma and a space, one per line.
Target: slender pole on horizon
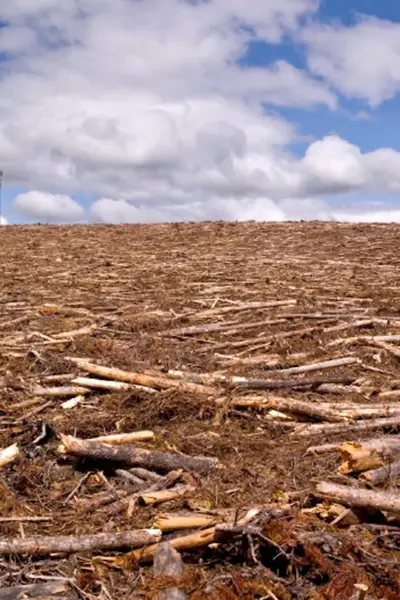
1, 203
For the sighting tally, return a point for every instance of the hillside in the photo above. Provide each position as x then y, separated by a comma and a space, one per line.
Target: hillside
183, 309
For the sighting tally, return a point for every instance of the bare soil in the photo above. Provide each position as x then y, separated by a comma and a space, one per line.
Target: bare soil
137, 286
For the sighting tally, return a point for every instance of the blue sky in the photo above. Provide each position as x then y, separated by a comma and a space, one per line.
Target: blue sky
383, 125
137, 113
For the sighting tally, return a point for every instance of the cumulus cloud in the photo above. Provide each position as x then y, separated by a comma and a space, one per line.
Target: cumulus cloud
144, 106
49, 207
3, 221
361, 61
107, 210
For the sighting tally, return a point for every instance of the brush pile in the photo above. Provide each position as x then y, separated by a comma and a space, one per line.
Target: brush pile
200, 411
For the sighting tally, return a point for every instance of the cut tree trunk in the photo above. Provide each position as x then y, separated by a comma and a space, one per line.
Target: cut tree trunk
59, 590
289, 405
327, 364
388, 347
198, 539
225, 327
245, 306
372, 412
334, 388
266, 360
359, 498
171, 522
382, 474
61, 391
333, 428
265, 384
157, 497
131, 456
357, 458
101, 384
389, 444
155, 382
124, 438
41, 546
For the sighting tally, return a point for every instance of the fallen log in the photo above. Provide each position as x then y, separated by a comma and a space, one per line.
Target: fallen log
149, 381
203, 378
231, 327
327, 364
333, 428
157, 497
70, 335
389, 394
58, 378
16, 321
245, 306
72, 402
172, 522
388, 347
289, 405
59, 590
387, 444
168, 566
266, 360
276, 384
42, 546
349, 325
357, 458
359, 498
371, 412
340, 389
198, 539
124, 438
131, 456
101, 384
60, 391
366, 339
145, 474
130, 477
382, 474
26, 519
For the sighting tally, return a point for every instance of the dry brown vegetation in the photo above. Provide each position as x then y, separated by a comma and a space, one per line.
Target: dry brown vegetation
213, 301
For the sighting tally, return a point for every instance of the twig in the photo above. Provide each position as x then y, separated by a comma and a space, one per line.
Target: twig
77, 487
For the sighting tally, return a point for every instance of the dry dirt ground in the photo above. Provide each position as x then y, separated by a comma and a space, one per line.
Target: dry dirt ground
218, 300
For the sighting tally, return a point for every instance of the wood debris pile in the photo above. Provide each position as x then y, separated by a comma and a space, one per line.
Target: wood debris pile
200, 411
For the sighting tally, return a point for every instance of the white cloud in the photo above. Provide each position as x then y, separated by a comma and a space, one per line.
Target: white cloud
361, 61
142, 105
46, 206
3, 221
143, 98
356, 210
107, 210
369, 216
